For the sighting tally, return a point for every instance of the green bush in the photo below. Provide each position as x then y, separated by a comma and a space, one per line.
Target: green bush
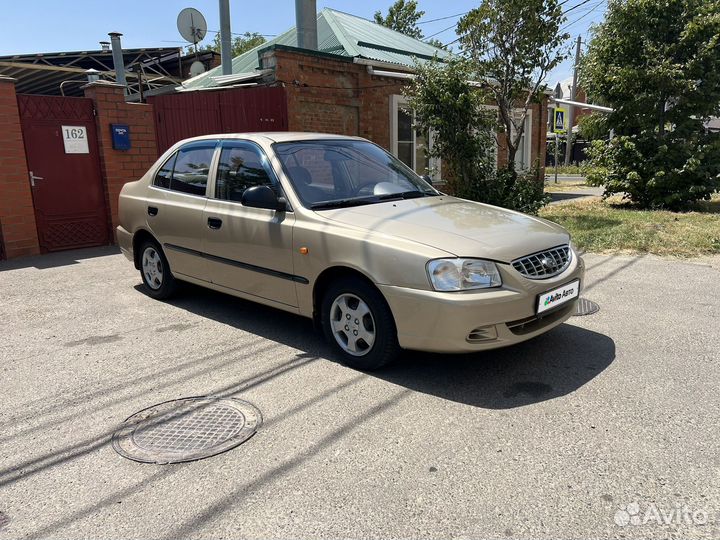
519, 191
657, 64
446, 103
652, 173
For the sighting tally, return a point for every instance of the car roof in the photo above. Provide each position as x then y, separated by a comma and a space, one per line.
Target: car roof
274, 136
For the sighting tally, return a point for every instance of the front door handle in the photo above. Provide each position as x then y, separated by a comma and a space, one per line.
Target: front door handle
152, 211
214, 223
33, 178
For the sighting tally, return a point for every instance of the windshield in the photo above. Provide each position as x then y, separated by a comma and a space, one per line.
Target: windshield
336, 173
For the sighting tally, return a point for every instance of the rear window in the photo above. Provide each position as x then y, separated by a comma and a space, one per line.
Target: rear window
188, 169
192, 167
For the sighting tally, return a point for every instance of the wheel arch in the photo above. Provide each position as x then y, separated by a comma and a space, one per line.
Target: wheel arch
140, 236
329, 275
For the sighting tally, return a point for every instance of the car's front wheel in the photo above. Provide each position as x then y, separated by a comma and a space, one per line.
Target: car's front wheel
155, 271
358, 322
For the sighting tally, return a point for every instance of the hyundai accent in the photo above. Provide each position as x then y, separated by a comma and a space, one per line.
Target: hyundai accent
337, 229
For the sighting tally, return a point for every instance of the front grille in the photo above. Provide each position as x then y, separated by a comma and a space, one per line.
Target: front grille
544, 264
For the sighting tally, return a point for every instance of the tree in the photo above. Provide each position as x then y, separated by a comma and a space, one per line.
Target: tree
402, 17
594, 127
657, 63
513, 45
447, 104
239, 45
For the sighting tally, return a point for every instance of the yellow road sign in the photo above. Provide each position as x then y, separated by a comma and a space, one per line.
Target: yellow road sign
559, 120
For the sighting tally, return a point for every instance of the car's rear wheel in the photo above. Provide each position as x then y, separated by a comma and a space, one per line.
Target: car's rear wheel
155, 271
358, 322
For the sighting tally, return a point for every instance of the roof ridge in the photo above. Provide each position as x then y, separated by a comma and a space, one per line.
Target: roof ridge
380, 27
337, 29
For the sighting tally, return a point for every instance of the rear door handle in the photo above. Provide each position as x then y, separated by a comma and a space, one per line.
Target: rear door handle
152, 211
214, 223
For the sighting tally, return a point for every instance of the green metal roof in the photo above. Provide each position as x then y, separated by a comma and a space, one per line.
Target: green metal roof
340, 34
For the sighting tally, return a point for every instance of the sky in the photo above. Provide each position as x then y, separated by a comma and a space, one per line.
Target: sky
51, 25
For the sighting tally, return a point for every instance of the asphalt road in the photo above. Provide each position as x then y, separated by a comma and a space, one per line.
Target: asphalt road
550, 439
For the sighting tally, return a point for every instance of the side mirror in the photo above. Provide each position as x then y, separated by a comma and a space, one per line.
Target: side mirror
263, 197
427, 179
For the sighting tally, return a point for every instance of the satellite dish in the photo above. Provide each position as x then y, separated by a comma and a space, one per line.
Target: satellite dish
197, 68
191, 25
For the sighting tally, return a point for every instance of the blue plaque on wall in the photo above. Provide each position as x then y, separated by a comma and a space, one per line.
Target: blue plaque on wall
120, 136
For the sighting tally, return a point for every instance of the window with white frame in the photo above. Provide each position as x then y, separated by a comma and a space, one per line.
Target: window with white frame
409, 145
524, 154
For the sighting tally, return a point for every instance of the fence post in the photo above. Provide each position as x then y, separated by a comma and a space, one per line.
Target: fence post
17, 214
118, 167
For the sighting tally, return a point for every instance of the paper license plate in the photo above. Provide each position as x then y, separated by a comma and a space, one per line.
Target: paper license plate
557, 297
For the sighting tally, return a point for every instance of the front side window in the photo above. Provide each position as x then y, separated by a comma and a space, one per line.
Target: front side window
334, 173
192, 167
242, 166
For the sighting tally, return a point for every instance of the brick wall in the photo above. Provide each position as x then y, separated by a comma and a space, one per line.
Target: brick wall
17, 215
121, 166
333, 95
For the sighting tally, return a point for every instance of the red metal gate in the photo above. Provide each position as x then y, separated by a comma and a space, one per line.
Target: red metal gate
233, 110
63, 160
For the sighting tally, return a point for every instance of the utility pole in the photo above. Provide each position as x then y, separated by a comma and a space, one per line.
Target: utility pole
225, 38
571, 108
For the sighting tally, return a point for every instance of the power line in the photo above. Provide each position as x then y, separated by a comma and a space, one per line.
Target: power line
582, 16
440, 32
576, 6
443, 18
243, 33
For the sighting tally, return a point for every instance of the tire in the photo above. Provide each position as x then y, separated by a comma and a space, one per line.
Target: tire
155, 271
367, 339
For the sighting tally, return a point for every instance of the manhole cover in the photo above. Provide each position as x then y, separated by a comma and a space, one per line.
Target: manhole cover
585, 307
186, 429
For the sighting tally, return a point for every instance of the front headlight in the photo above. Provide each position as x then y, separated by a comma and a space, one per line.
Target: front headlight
463, 274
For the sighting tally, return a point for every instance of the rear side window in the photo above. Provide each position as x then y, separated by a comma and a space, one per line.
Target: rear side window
164, 174
242, 165
192, 166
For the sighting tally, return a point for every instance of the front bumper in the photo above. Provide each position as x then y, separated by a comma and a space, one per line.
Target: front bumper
478, 320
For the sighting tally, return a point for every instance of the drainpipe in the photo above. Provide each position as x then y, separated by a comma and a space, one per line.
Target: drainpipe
306, 24
225, 38
118, 62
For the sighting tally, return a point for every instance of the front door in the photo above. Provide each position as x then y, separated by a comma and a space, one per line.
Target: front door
248, 249
62, 157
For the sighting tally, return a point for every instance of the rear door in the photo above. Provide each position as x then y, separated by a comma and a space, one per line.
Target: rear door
175, 205
248, 249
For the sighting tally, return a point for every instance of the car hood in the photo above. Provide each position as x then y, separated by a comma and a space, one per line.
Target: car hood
459, 227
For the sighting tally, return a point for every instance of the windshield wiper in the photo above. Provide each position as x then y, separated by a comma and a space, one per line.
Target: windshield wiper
341, 203
404, 195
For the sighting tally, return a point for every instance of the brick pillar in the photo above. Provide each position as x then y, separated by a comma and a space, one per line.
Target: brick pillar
121, 166
17, 214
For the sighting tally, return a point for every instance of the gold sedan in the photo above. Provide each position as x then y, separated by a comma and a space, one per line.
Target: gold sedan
336, 229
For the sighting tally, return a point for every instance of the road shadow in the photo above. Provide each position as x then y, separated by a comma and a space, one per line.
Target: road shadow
58, 259
559, 196
549, 366
552, 365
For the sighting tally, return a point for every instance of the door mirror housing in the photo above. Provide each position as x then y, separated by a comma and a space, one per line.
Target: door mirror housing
427, 179
263, 197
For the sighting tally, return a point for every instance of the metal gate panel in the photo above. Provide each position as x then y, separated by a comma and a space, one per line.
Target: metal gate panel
67, 188
234, 110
